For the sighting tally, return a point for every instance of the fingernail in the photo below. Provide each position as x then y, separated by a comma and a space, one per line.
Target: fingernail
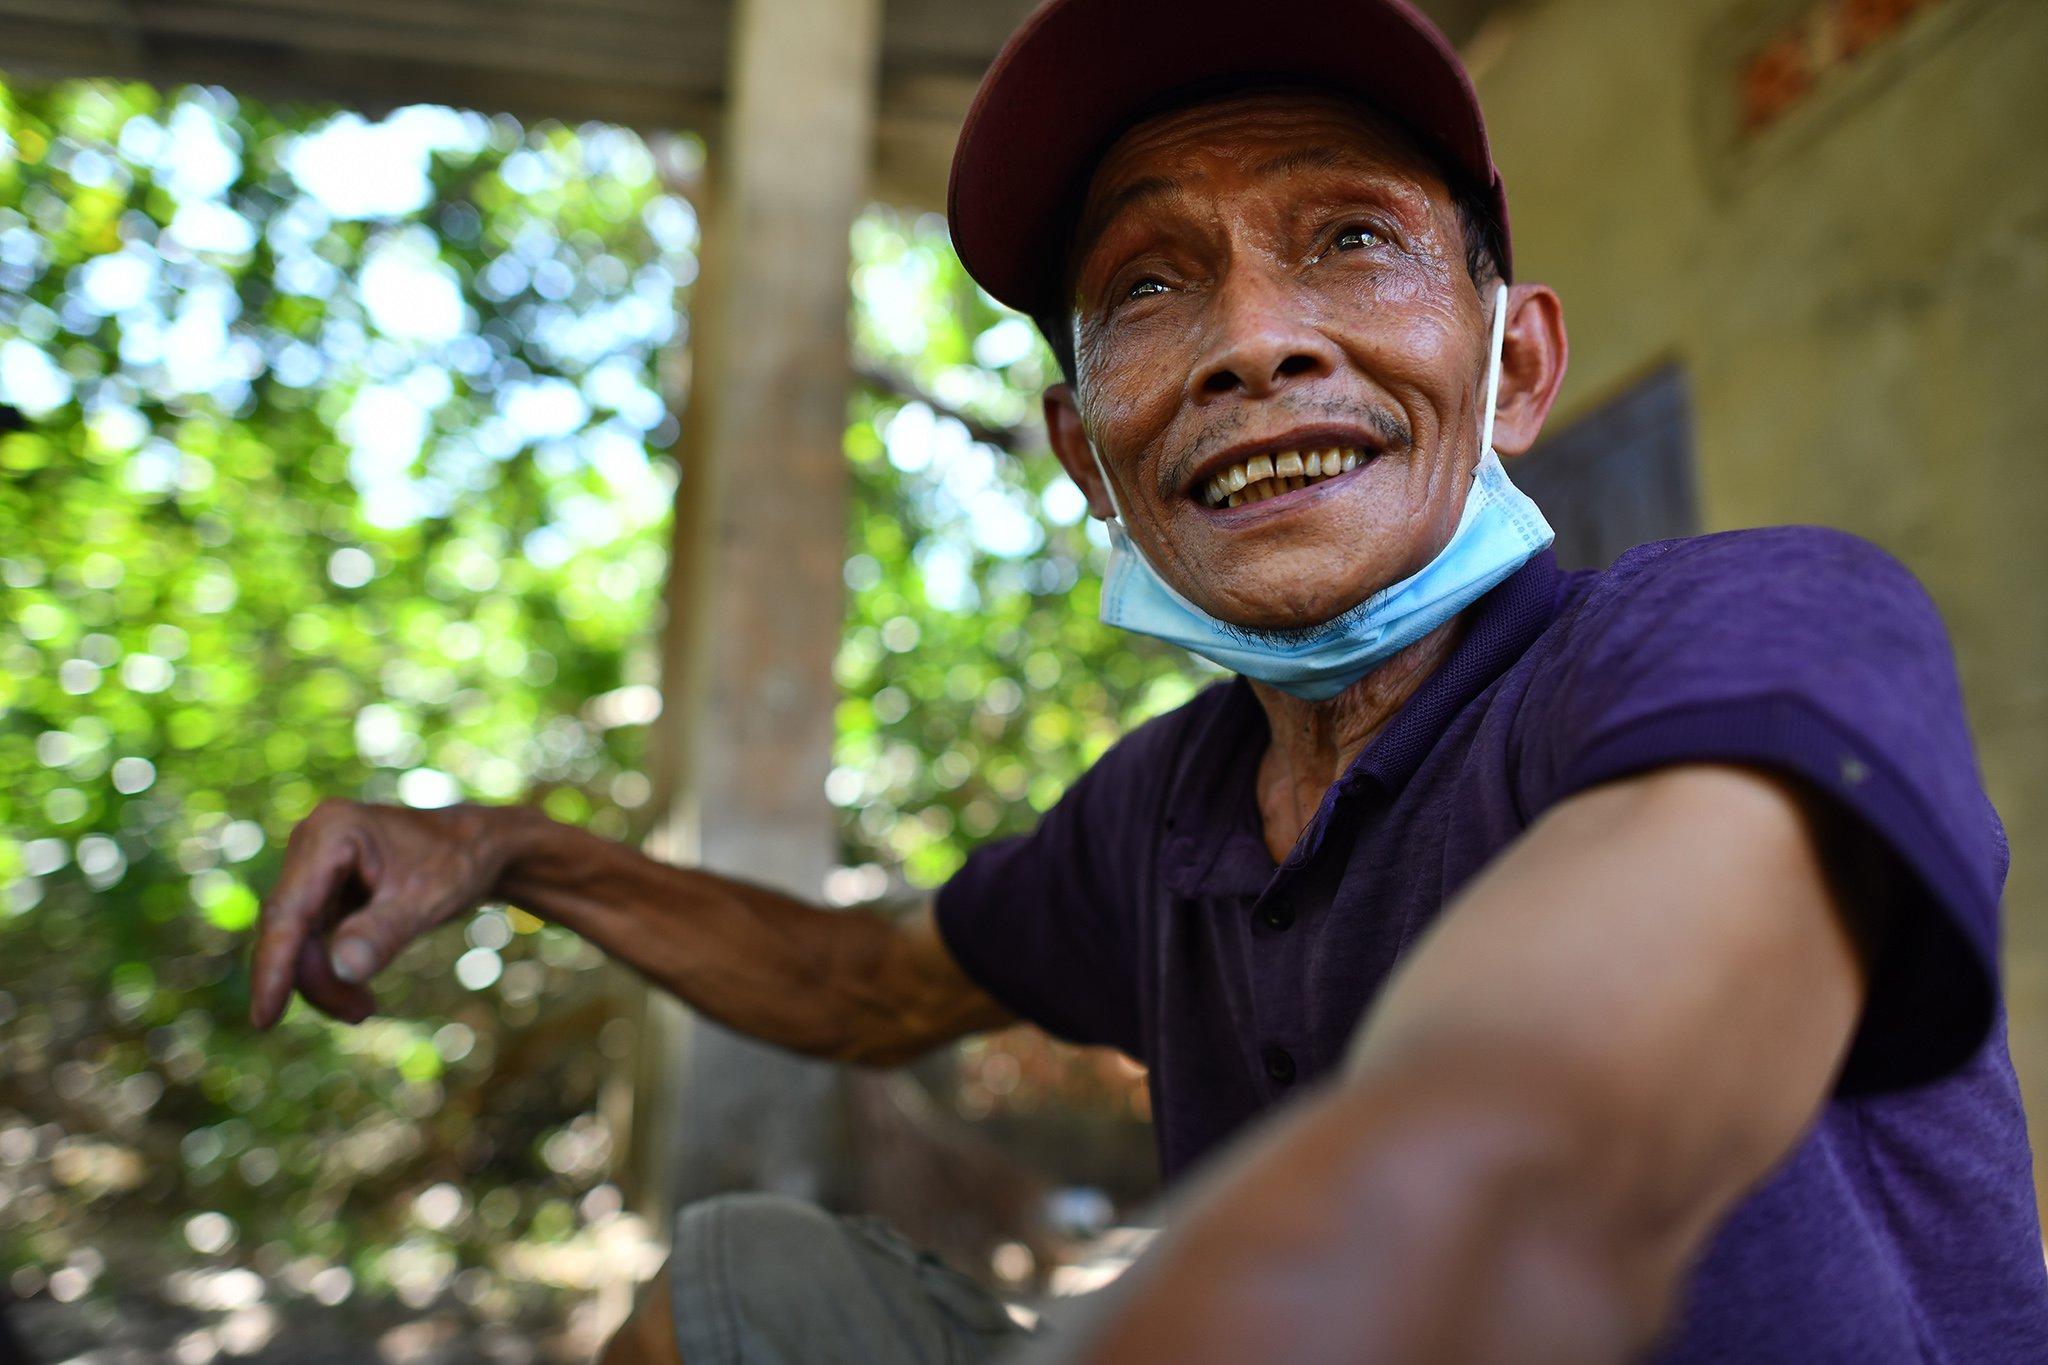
352, 961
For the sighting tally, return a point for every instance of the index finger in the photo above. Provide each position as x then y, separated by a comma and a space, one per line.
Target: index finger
312, 872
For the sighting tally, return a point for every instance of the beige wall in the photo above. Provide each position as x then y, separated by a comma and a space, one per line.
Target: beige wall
1859, 298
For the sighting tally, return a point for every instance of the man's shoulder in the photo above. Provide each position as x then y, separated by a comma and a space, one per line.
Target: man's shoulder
1762, 555
1152, 746
1756, 579
1124, 794
1146, 762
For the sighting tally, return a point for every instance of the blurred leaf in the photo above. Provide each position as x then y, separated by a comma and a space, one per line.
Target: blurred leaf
226, 902
335, 465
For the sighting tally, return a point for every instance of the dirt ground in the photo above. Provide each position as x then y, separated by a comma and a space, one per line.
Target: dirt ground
130, 1328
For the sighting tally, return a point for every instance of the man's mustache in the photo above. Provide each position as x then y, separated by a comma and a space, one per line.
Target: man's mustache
1390, 430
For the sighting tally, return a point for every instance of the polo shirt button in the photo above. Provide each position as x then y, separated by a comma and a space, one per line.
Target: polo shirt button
1279, 1065
1277, 916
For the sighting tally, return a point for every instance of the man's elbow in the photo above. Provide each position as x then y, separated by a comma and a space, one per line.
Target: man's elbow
1430, 1215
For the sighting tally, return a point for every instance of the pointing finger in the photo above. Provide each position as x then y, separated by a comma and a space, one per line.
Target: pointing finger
289, 917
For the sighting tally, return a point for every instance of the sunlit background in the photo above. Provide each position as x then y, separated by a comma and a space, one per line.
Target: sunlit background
338, 465
337, 457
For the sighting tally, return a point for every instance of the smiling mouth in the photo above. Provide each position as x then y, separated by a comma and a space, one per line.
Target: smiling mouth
1268, 476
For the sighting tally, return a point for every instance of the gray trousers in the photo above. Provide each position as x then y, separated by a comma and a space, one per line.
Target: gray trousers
768, 1280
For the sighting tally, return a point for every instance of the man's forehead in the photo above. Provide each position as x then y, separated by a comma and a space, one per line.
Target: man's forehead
1267, 132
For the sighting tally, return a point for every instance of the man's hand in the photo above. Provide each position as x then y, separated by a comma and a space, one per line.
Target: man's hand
359, 883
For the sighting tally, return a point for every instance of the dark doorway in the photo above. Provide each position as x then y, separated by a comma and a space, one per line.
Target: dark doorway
1620, 475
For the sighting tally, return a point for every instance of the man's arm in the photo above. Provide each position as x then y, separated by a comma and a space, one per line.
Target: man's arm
360, 882
1614, 1033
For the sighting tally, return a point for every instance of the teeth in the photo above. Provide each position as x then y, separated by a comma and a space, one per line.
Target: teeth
1268, 476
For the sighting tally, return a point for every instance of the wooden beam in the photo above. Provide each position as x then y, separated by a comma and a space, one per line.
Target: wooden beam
337, 33
648, 64
653, 65
372, 84
919, 107
526, 34
755, 598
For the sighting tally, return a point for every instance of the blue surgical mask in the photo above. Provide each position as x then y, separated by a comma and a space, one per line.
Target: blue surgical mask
1498, 531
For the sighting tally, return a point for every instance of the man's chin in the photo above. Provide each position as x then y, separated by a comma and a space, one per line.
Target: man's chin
1292, 602
1300, 572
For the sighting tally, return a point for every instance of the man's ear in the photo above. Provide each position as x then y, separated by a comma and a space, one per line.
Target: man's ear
1070, 443
1532, 365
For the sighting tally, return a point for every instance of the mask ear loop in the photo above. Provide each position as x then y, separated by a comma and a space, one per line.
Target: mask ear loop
1116, 511
1500, 334
1118, 527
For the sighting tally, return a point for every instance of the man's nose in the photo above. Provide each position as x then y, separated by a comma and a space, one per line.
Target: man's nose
1259, 341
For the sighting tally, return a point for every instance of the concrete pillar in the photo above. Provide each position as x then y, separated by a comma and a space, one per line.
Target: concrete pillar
755, 600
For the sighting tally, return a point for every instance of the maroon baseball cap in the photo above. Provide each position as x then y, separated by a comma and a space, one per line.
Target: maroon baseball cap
1078, 73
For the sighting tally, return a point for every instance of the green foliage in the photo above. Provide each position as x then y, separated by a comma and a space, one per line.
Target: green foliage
310, 499
978, 683
318, 495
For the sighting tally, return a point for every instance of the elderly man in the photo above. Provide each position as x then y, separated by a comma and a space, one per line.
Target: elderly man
1544, 966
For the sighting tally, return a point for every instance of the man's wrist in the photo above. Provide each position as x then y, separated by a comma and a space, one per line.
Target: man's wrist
509, 838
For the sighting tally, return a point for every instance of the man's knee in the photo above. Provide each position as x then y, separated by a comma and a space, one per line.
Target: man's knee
762, 1246
762, 1277
753, 1221
756, 1214
765, 1248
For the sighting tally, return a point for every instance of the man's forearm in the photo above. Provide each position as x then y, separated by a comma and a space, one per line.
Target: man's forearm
1424, 1214
847, 985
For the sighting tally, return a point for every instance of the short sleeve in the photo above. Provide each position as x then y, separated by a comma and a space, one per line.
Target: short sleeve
1043, 921
1815, 654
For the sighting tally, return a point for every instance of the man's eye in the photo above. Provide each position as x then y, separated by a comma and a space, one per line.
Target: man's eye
1354, 238
1146, 287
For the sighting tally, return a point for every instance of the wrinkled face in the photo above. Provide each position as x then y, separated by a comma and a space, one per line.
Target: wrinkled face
1280, 356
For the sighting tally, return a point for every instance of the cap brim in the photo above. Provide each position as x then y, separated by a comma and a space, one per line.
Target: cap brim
1079, 71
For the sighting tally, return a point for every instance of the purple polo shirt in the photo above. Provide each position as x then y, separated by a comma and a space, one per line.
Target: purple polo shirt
1146, 914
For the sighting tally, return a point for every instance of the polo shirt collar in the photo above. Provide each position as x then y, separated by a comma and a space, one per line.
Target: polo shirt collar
1504, 624
1213, 845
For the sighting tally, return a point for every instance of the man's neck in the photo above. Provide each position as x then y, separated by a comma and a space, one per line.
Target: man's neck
1313, 742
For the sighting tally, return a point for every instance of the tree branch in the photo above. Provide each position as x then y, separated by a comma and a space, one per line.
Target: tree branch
1012, 439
